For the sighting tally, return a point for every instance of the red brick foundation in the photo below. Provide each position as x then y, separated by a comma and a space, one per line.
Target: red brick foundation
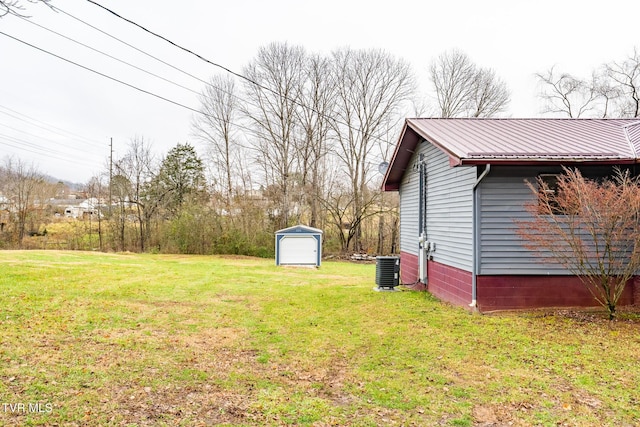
450, 284
524, 292
408, 268
447, 283
453, 285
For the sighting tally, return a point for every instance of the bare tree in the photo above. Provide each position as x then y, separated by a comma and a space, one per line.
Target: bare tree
612, 91
16, 7
20, 184
119, 190
276, 77
452, 75
566, 94
490, 94
464, 90
337, 203
10, 6
216, 127
626, 78
137, 168
96, 189
318, 95
372, 86
608, 93
589, 227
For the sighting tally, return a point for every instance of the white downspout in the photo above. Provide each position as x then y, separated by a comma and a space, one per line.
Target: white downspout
474, 299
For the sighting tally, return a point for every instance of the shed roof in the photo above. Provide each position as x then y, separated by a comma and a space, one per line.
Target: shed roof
299, 229
518, 141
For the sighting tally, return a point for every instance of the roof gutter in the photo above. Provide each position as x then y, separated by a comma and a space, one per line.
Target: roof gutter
548, 162
475, 238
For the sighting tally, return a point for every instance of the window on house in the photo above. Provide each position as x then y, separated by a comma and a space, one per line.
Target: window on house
548, 193
551, 181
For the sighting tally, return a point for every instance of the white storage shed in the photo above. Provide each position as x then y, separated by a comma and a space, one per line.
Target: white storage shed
299, 245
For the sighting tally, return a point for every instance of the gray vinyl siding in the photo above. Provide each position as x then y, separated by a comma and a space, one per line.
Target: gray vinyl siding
502, 195
409, 205
449, 208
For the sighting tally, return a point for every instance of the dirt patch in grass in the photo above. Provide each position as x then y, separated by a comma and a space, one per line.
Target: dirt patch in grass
241, 257
499, 415
171, 404
594, 315
624, 315
232, 390
214, 338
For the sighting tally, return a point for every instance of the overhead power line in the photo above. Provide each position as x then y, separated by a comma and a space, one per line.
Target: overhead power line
101, 74
110, 56
32, 135
202, 58
119, 81
189, 51
21, 144
131, 46
47, 126
180, 70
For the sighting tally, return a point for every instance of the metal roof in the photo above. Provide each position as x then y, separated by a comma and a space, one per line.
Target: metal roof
519, 141
305, 229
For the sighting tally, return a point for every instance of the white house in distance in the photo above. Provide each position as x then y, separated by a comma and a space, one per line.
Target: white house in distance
87, 207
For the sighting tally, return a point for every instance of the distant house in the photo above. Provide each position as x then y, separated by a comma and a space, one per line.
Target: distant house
462, 185
86, 208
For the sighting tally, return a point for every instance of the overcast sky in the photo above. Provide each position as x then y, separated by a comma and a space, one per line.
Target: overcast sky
61, 117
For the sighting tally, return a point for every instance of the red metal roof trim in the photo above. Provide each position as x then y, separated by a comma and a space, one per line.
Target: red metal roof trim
405, 148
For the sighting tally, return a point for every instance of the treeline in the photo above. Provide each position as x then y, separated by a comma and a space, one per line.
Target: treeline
164, 206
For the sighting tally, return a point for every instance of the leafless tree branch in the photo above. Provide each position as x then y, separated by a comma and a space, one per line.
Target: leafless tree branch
464, 90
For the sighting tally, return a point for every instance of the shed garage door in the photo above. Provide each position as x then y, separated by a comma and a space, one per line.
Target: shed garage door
298, 250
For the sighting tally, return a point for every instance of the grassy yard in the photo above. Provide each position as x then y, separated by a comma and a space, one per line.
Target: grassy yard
122, 339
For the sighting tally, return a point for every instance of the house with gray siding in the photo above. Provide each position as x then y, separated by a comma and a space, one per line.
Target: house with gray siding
462, 185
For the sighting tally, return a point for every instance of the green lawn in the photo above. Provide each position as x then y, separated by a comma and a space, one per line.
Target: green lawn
124, 339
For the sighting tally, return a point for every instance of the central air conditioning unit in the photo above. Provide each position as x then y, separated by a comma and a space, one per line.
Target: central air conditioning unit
387, 272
